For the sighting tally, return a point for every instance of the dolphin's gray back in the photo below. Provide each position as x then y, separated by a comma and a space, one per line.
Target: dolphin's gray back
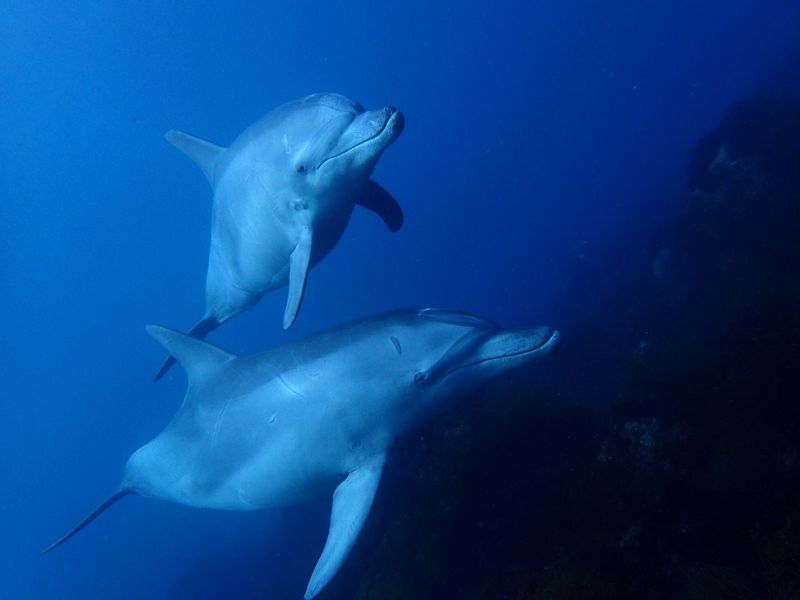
336, 339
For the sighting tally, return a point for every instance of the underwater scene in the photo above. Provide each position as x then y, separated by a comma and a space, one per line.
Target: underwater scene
388, 301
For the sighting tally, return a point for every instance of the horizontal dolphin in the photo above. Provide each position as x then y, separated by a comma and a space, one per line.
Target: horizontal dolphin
316, 415
283, 195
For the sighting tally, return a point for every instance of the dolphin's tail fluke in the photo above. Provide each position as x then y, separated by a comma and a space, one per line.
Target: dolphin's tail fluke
91, 517
201, 329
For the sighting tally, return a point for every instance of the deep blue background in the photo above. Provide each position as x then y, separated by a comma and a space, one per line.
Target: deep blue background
533, 131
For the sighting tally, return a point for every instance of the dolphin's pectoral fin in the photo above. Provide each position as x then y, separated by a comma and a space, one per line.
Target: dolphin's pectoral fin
381, 202
298, 273
203, 153
351, 503
199, 358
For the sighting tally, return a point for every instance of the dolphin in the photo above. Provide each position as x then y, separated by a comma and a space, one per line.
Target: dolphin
283, 195
315, 416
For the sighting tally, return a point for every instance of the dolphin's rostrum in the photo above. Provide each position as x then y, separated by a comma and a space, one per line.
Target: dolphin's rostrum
283, 195
319, 414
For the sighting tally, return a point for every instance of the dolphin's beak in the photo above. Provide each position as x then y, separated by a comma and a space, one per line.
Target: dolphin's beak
385, 123
395, 123
520, 343
550, 342
508, 349
369, 135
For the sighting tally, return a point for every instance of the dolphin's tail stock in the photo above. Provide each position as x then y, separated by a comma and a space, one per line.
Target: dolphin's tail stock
89, 518
201, 329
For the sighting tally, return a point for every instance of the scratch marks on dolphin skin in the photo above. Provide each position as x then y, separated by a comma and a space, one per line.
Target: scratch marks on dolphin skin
218, 423
396, 343
245, 497
288, 387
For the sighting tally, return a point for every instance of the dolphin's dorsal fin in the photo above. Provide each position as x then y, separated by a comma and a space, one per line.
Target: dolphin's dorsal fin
298, 273
351, 503
203, 153
200, 330
199, 358
381, 202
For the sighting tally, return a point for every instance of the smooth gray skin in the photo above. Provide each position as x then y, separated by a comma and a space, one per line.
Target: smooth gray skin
316, 415
283, 195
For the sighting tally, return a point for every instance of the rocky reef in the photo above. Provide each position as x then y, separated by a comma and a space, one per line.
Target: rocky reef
688, 486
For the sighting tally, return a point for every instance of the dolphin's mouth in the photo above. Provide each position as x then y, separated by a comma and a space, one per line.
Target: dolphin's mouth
395, 121
545, 346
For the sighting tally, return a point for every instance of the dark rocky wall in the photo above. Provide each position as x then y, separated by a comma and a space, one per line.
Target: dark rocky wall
689, 487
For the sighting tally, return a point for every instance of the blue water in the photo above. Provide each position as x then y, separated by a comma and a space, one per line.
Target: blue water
535, 132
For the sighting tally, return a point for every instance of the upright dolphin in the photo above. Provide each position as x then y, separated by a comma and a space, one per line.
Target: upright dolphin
319, 414
283, 195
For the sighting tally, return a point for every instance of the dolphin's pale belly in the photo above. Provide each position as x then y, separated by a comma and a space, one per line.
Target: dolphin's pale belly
255, 258
283, 445
249, 256
271, 480
253, 236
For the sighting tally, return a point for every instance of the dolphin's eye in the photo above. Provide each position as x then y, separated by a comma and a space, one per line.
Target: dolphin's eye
419, 377
301, 168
